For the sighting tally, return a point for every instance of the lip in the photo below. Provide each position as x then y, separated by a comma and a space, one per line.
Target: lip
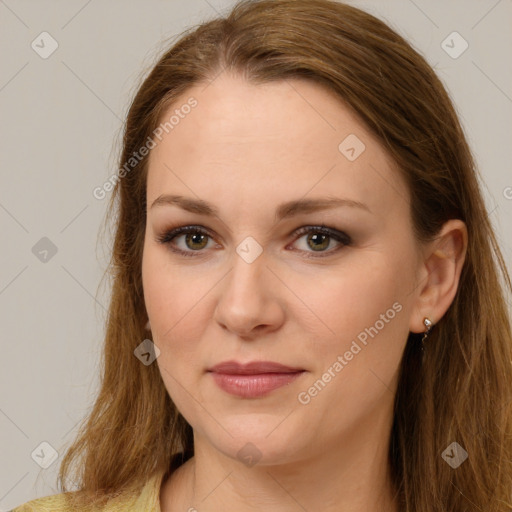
252, 368
254, 379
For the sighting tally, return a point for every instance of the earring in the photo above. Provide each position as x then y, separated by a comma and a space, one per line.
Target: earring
428, 324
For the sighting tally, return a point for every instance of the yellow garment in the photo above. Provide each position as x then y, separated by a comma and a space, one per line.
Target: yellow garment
147, 501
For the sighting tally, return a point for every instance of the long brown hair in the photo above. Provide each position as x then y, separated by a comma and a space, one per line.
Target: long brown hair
460, 392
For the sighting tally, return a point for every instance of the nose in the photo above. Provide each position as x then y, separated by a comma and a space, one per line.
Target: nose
250, 303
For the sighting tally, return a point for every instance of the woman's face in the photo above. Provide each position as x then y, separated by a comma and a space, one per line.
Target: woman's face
259, 280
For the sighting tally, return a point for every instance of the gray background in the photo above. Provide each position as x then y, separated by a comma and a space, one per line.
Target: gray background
60, 132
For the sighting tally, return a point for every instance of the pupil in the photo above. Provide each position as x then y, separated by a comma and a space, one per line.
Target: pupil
195, 239
321, 238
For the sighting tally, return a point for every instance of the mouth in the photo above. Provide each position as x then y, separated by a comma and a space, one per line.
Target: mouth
253, 380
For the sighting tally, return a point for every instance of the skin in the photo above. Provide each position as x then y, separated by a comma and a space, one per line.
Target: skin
246, 149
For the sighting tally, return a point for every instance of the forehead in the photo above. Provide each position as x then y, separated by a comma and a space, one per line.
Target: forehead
267, 142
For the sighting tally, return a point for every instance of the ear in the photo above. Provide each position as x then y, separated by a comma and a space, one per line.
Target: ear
439, 274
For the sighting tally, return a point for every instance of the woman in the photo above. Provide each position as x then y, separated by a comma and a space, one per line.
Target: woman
307, 310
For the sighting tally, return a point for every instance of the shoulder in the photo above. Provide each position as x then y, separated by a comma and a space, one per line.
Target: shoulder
148, 500
54, 503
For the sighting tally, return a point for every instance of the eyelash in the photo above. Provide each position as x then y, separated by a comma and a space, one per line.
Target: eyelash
341, 237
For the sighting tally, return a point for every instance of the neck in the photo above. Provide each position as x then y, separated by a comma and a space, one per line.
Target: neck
353, 477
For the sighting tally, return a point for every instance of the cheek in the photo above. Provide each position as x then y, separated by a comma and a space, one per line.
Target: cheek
179, 303
169, 293
361, 315
367, 308
352, 297
171, 302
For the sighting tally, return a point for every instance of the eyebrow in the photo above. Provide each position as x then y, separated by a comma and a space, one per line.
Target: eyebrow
283, 211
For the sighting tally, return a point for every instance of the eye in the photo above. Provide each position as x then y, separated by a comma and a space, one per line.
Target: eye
319, 238
195, 240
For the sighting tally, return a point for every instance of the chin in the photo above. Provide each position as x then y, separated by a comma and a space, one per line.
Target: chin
259, 439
